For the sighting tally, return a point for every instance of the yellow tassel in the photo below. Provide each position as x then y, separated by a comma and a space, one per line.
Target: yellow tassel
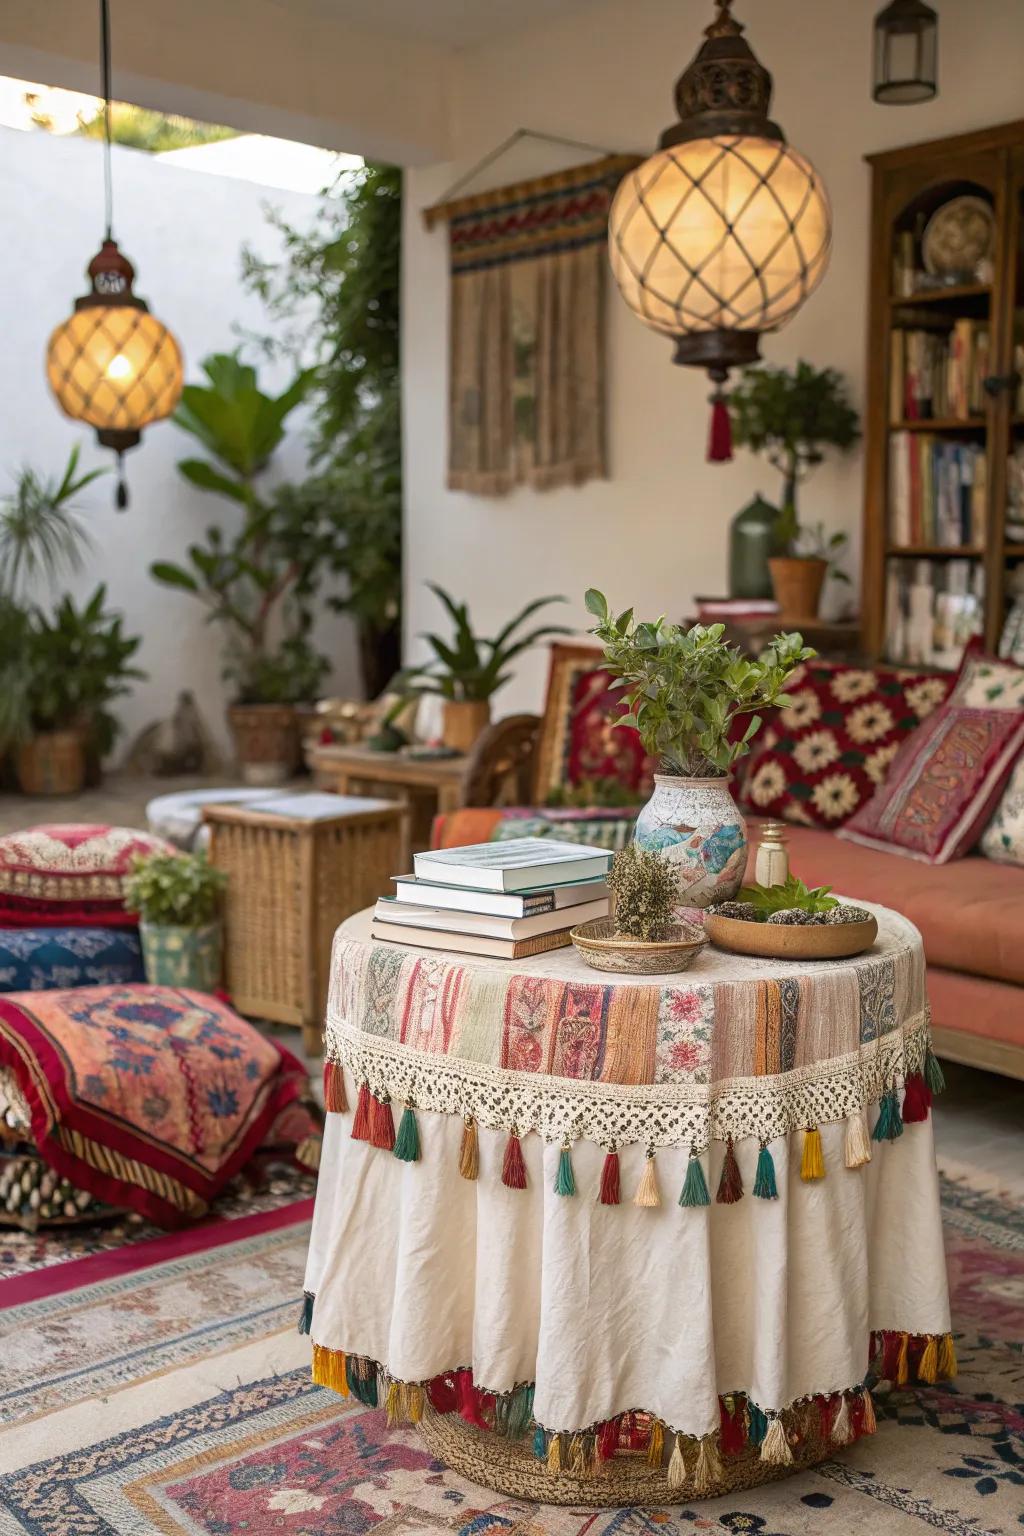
329, 1369
928, 1365
469, 1151
947, 1358
903, 1362
842, 1429
656, 1445
555, 1454
648, 1194
677, 1466
702, 1476
812, 1164
858, 1142
393, 1404
775, 1449
870, 1422
414, 1402
576, 1462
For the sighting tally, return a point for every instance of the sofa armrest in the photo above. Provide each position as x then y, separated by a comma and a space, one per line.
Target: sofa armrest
500, 767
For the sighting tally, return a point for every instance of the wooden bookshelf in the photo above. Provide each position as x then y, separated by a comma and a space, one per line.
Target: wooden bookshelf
908, 186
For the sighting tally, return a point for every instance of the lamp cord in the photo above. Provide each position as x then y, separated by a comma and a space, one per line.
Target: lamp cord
108, 188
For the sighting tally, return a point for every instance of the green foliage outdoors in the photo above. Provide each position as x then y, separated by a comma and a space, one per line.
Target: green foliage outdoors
767, 899
42, 536
143, 128
181, 890
684, 688
335, 300
645, 891
469, 666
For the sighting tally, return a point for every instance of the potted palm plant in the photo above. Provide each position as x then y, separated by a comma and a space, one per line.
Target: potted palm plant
695, 701
178, 897
467, 670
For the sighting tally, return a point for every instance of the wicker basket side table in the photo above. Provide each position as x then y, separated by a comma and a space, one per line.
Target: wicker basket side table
297, 866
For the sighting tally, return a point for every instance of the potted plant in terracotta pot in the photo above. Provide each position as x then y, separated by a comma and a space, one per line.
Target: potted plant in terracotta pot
178, 897
694, 700
467, 670
792, 416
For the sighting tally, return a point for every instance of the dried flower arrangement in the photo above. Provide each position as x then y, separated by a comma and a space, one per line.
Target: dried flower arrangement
645, 894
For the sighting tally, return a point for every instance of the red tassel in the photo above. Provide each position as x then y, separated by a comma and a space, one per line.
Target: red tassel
469, 1406
730, 1185
361, 1118
733, 1434
917, 1099
720, 435
513, 1169
443, 1393
890, 1355
610, 1179
608, 1439
335, 1101
382, 1124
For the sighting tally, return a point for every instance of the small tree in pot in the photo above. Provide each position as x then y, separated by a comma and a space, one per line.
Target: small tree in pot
178, 897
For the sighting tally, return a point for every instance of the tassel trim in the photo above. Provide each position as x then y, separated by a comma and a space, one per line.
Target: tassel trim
609, 1194
904, 1357
513, 1169
812, 1161
730, 1185
648, 1194
469, 1151
335, 1101
765, 1187
407, 1142
565, 1180
306, 1313
695, 1185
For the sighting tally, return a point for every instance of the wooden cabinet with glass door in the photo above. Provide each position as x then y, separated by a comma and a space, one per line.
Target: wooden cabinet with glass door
944, 422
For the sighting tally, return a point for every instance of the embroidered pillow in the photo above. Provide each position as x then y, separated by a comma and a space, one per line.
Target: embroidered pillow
985, 682
942, 786
1003, 838
36, 959
820, 760
69, 876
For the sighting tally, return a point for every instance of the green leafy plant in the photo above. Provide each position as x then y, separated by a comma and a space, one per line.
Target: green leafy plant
767, 899
42, 536
468, 666
792, 416
181, 890
645, 892
685, 688
809, 541
16, 662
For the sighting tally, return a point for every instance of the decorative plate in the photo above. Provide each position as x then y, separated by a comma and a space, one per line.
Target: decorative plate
601, 948
957, 236
777, 941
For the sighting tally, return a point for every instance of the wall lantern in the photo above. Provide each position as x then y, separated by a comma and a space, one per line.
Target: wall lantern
906, 53
111, 363
725, 231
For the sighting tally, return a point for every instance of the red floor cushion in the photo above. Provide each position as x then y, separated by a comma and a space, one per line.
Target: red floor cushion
148, 1097
69, 875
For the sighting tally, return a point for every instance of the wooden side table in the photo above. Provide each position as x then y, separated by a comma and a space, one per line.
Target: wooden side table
346, 769
297, 866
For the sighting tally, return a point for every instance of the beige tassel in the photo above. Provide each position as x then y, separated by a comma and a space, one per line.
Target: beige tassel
903, 1362
555, 1454
469, 1151
842, 1429
702, 1476
870, 1422
775, 1446
928, 1366
677, 1466
858, 1142
947, 1358
648, 1194
656, 1445
577, 1464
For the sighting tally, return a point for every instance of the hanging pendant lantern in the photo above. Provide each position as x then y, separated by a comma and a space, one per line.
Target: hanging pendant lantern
111, 363
725, 231
906, 53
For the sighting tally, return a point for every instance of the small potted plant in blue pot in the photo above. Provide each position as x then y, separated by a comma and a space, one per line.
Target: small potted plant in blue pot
178, 898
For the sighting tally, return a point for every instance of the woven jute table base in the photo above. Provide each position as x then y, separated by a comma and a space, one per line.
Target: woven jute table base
510, 1467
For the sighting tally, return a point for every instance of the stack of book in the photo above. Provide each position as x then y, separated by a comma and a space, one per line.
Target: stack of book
937, 490
939, 374
507, 900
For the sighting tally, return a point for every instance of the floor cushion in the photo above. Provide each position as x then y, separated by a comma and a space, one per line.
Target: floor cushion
69, 875
597, 828
817, 761
148, 1097
38, 959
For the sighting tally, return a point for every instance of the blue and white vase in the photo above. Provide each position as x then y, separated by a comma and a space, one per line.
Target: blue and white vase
694, 824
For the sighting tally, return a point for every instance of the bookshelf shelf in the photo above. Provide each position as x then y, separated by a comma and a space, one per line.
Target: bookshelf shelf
935, 552
941, 424
952, 294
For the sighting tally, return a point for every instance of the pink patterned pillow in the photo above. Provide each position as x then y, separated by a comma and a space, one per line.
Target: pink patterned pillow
943, 785
70, 876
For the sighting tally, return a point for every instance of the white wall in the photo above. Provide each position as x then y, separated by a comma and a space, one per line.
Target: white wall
655, 533
183, 230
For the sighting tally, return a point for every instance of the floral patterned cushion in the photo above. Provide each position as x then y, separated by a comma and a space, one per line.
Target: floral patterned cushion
70, 876
1003, 838
822, 758
986, 682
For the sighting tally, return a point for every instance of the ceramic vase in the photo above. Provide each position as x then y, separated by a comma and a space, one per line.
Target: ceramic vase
182, 957
695, 826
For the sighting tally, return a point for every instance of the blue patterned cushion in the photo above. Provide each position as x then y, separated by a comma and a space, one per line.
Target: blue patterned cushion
41, 959
596, 828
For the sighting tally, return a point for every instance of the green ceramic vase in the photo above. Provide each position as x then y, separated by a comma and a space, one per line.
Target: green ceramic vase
182, 957
752, 541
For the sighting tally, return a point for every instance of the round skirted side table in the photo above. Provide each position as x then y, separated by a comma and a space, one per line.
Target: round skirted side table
634, 1239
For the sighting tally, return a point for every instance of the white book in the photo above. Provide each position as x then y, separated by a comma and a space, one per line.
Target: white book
526, 903
469, 943
516, 865
391, 910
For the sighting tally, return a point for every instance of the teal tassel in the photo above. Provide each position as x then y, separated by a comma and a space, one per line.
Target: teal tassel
565, 1183
764, 1179
363, 1387
758, 1422
407, 1142
520, 1411
306, 1315
540, 1444
889, 1124
695, 1188
933, 1072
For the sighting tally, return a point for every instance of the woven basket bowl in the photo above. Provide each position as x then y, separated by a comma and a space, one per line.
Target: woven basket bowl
510, 1467
598, 945
776, 941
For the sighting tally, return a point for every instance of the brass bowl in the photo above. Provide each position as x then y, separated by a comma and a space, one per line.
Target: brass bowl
778, 941
600, 947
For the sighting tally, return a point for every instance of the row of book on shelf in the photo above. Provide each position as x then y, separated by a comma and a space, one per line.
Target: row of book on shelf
507, 900
937, 490
938, 373
932, 610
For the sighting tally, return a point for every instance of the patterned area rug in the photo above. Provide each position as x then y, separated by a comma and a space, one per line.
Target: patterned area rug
277, 1455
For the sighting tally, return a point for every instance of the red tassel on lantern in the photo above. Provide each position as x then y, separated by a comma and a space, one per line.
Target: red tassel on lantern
720, 435
610, 1179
